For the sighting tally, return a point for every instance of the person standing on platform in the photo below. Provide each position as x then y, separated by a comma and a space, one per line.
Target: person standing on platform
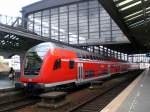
11, 74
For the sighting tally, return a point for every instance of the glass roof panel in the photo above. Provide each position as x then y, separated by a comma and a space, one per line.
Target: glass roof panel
133, 14
134, 17
147, 8
130, 6
136, 24
123, 3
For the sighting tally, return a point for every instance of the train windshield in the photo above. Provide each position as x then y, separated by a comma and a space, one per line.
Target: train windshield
34, 59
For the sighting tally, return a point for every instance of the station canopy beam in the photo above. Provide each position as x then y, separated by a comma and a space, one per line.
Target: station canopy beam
19, 39
132, 16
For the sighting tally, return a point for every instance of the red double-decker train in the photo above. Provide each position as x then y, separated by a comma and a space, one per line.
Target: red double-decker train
49, 64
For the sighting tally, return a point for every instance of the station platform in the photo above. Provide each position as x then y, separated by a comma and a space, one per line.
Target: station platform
135, 98
6, 84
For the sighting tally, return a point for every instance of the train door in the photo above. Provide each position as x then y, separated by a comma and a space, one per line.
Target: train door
109, 69
80, 72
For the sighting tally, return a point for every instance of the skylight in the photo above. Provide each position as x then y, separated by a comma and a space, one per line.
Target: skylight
138, 12
147, 8
136, 24
129, 6
124, 2
134, 17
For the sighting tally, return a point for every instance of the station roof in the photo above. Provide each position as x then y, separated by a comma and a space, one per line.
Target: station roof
17, 39
20, 39
44, 4
133, 18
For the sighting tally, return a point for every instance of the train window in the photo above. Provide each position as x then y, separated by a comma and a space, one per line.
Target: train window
97, 58
57, 64
94, 57
71, 64
91, 57
84, 56
87, 57
79, 55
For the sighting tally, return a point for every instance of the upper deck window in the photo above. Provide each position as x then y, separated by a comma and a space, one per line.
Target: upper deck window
71, 64
79, 55
57, 64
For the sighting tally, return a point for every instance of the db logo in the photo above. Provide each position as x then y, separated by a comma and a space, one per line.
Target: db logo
30, 80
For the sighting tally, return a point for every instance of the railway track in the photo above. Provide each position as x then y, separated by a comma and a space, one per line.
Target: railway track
89, 100
98, 102
10, 107
14, 100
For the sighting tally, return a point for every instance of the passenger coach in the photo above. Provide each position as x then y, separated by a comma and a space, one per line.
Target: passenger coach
49, 64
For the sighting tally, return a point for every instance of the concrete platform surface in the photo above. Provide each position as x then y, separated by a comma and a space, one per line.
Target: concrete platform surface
53, 94
6, 84
135, 98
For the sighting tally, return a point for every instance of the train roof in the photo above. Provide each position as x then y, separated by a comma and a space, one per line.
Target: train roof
77, 50
71, 48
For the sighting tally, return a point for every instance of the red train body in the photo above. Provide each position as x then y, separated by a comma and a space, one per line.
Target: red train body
49, 64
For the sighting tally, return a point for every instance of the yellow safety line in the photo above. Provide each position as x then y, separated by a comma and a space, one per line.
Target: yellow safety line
116, 103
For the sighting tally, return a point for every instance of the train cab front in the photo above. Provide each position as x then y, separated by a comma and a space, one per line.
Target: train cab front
31, 77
